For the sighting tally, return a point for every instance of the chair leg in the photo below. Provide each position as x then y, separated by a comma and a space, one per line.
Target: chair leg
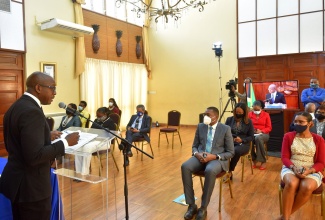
251, 162
201, 183
151, 149
167, 138
159, 140
180, 138
115, 162
173, 140
280, 199
323, 204
230, 188
242, 169
220, 193
142, 150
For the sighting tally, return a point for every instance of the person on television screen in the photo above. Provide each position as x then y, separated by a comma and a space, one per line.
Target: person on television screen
313, 94
242, 97
275, 97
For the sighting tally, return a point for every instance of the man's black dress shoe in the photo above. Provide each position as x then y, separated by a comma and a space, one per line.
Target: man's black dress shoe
129, 153
191, 211
201, 214
127, 162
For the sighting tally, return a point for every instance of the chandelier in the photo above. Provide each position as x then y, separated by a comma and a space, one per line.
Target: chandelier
168, 8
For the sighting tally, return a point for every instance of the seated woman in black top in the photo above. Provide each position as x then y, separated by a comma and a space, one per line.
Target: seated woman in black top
103, 120
242, 130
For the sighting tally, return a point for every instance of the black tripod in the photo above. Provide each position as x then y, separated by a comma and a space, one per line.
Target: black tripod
125, 144
233, 102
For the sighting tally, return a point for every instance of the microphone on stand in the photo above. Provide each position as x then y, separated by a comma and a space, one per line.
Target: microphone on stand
71, 110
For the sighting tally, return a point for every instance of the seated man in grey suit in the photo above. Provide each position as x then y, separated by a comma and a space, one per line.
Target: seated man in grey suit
138, 127
212, 147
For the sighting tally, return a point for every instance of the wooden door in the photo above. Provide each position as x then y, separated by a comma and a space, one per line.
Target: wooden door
11, 85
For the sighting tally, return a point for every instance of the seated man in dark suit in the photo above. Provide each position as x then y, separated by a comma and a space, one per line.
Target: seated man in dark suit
310, 108
319, 121
275, 97
212, 147
138, 127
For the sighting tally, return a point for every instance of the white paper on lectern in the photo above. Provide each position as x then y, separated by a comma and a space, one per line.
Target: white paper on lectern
83, 139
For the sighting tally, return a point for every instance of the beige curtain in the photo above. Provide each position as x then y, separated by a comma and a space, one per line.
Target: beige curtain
146, 49
104, 79
80, 42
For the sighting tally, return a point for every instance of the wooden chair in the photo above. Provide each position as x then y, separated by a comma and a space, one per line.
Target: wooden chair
50, 122
317, 192
249, 157
88, 121
142, 140
173, 126
223, 176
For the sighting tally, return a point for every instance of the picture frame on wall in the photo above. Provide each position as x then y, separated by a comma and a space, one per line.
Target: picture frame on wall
49, 68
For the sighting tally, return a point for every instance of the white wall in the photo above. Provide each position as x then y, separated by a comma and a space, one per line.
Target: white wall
52, 47
185, 73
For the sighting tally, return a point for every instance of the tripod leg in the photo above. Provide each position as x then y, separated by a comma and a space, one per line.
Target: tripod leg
224, 109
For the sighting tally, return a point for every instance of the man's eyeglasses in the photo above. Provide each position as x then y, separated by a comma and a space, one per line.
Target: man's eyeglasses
53, 88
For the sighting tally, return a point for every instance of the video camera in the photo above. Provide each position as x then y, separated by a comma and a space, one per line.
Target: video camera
231, 83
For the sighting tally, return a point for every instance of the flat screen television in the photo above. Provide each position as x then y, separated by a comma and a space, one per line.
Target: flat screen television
287, 95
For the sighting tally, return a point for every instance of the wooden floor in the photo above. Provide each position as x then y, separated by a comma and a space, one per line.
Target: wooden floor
154, 184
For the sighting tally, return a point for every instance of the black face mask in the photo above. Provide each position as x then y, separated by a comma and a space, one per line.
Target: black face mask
67, 112
300, 128
320, 116
239, 115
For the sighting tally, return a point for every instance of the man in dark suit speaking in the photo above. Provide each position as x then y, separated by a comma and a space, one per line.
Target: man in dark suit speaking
26, 177
212, 147
275, 97
138, 127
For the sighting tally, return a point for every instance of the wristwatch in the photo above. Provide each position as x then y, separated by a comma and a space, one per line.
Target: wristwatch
205, 155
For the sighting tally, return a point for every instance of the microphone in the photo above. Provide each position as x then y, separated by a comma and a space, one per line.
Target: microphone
71, 110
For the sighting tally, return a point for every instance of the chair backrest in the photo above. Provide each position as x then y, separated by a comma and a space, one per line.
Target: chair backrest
87, 123
50, 122
201, 116
174, 118
115, 118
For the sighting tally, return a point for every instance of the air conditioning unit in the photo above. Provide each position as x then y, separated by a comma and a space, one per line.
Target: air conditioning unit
66, 27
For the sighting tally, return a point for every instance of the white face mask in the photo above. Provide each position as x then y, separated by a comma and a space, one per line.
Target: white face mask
207, 120
110, 104
80, 108
257, 112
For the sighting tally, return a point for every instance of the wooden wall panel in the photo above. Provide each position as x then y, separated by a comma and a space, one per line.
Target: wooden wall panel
107, 37
300, 67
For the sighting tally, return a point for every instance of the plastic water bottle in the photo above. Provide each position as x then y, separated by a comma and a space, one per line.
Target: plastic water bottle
157, 124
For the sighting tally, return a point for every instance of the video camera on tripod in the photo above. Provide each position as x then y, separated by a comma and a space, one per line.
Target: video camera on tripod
228, 86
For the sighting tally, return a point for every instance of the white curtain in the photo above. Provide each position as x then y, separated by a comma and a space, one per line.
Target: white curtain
104, 79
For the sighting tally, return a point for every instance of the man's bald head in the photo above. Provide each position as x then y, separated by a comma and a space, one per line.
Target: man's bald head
41, 86
37, 78
310, 107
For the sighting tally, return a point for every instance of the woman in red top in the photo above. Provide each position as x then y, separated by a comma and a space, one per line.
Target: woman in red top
112, 107
303, 158
262, 127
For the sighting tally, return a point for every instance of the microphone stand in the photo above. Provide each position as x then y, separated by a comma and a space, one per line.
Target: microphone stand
123, 140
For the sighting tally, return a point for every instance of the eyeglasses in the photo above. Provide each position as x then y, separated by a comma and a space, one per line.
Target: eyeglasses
53, 88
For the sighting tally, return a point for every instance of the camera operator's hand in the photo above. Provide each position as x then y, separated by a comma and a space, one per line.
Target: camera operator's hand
233, 88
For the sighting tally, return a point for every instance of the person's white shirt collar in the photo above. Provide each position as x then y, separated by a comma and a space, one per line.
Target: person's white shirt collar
34, 97
214, 126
